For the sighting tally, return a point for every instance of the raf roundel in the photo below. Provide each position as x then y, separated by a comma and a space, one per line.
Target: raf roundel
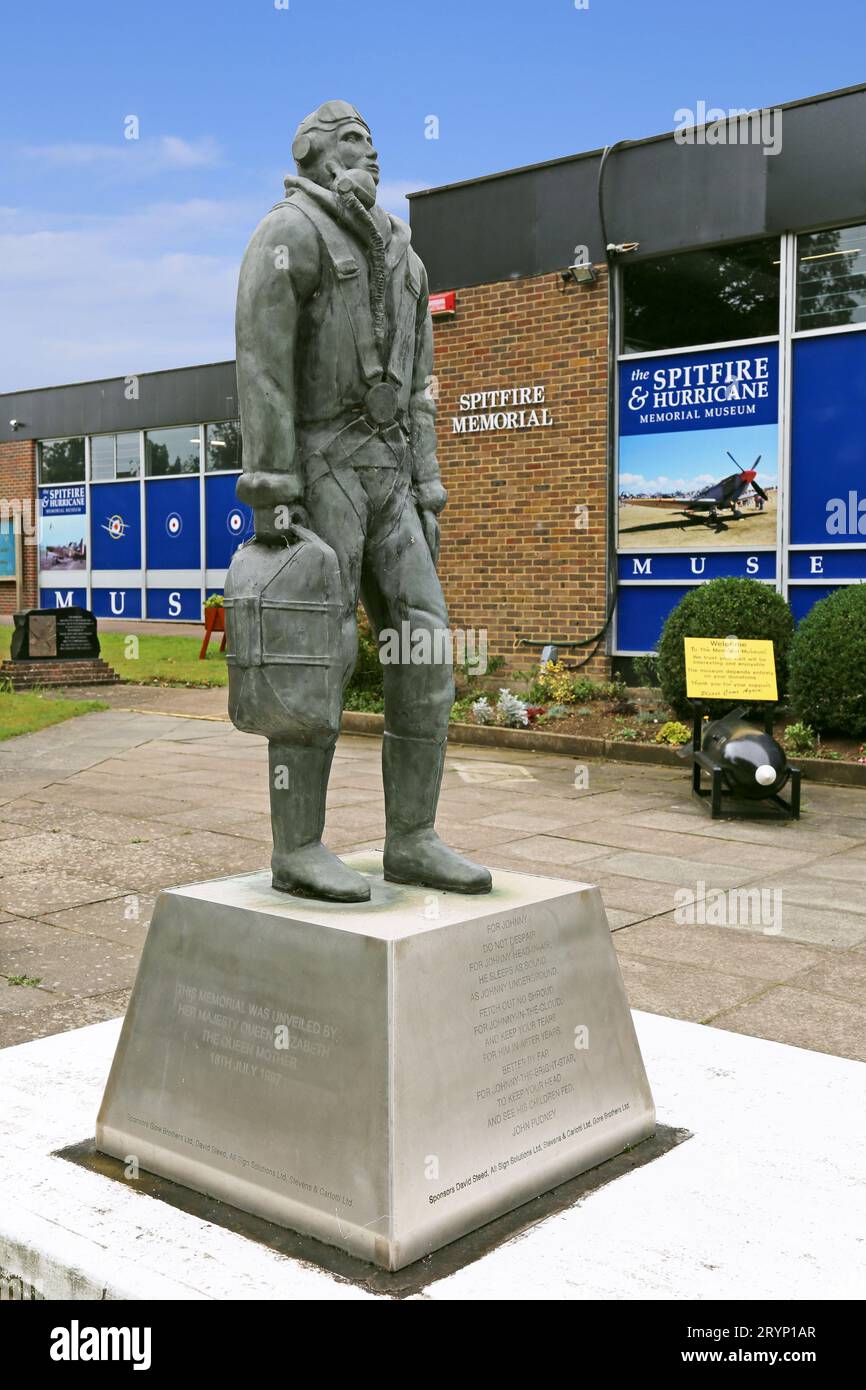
173, 524
116, 527
235, 521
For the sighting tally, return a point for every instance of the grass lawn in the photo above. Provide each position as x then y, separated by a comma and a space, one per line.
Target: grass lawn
27, 712
151, 660
147, 660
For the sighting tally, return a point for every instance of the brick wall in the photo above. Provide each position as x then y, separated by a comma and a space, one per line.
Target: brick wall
512, 559
18, 486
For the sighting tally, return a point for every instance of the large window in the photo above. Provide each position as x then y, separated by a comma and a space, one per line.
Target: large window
61, 461
718, 295
114, 456
172, 452
831, 278
223, 453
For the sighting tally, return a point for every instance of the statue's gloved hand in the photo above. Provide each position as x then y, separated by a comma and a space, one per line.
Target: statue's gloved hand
269, 489
278, 504
430, 496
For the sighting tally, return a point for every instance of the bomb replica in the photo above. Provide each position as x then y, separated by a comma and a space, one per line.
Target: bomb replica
745, 764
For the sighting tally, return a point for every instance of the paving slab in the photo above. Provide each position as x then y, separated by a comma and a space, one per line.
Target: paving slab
123, 919
682, 991
799, 835
32, 894
730, 951
548, 854
52, 1014
63, 960
625, 834
819, 1022
841, 975
677, 871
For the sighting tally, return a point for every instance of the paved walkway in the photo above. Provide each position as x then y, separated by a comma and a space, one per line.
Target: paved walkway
96, 815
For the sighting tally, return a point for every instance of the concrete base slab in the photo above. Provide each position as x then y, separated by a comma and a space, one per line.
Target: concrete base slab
765, 1201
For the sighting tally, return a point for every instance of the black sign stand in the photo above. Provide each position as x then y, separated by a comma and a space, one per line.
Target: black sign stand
718, 800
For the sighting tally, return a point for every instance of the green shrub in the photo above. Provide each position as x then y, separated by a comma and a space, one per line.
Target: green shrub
675, 733
800, 738
828, 664
741, 608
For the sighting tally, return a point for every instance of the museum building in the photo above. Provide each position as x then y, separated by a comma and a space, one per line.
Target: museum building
650, 372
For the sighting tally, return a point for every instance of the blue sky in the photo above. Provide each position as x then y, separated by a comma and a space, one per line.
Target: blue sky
120, 256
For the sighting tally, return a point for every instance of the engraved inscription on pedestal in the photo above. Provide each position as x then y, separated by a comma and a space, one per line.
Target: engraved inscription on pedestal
254, 1071
535, 1072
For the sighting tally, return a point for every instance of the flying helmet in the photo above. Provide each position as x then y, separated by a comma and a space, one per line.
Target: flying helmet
326, 119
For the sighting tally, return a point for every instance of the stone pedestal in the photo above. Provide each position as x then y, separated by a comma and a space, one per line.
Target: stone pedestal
385, 1076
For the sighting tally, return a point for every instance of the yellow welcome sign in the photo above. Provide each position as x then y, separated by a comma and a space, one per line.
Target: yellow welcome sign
730, 668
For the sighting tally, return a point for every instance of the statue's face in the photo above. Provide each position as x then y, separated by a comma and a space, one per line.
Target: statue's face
353, 149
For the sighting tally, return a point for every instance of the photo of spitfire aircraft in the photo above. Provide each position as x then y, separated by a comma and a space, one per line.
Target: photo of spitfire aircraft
727, 493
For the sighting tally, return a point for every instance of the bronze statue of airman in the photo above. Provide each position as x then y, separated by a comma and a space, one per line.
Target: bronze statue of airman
334, 363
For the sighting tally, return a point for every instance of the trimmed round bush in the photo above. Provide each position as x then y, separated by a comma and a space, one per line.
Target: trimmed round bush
741, 608
827, 664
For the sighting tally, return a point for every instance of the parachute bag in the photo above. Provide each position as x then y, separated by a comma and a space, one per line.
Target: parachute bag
282, 614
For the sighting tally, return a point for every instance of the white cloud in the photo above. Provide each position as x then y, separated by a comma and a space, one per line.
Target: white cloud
85, 295
94, 296
141, 158
636, 482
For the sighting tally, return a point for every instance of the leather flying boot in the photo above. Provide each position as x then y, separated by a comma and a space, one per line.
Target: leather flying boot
300, 863
412, 773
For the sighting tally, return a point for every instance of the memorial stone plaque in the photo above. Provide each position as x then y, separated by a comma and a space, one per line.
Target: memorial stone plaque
68, 634
385, 1076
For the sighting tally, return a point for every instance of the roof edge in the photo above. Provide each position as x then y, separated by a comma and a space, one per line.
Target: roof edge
626, 143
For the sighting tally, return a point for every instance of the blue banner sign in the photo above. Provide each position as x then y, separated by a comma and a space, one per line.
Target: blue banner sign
67, 499
828, 440
827, 564
700, 391
228, 523
802, 597
63, 528
116, 603
173, 524
641, 614
698, 450
181, 604
62, 598
115, 526
676, 564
